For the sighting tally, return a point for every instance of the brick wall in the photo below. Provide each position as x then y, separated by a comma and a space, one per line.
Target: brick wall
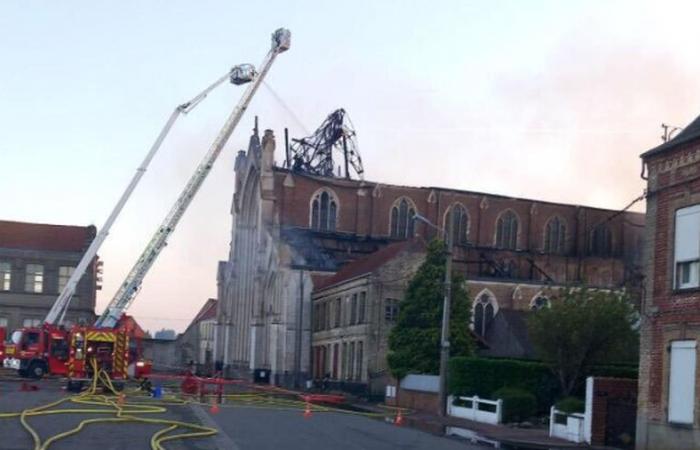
668, 314
606, 391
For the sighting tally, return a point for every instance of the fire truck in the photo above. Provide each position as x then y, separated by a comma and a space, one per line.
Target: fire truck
3, 337
114, 341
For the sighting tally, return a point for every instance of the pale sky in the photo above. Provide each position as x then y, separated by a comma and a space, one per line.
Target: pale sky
547, 100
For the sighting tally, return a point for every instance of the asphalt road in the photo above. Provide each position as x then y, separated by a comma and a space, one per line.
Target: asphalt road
241, 428
266, 429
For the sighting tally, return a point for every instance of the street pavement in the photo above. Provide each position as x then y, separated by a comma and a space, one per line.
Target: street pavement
241, 427
252, 428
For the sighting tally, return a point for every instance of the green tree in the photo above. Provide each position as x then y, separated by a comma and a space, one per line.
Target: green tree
584, 327
414, 342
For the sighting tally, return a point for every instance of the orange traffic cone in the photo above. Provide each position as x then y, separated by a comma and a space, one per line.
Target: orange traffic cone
120, 399
398, 421
214, 407
307, 409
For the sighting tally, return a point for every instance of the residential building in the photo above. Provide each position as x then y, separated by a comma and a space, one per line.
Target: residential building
353, 312
197, 342
668, 408
291, 230
36, 261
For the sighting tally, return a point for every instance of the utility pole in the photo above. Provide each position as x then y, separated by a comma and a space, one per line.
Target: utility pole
446, 313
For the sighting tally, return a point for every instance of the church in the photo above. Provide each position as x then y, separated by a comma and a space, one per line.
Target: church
291, 302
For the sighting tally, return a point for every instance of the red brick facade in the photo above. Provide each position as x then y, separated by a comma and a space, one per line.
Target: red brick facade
364, 209
668, 313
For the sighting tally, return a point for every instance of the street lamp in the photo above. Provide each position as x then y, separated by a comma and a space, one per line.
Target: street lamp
447, 301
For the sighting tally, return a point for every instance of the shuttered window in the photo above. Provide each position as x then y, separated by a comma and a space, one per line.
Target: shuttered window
681, 390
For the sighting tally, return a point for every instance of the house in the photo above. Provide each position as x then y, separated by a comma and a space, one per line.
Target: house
668, 414
36, 261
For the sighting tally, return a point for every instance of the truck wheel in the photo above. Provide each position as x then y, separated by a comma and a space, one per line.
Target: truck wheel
37, 370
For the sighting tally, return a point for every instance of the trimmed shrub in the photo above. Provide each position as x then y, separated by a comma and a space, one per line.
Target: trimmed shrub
571, 405
483, 376
518, 404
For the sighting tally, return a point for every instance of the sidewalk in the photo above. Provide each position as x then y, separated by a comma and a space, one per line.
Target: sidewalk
518, 437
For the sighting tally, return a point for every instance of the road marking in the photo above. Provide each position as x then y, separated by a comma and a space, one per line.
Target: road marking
221, 439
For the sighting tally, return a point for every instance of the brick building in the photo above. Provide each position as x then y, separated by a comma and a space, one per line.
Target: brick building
291, 230
36, 261
353, 312
197, 341
668, 376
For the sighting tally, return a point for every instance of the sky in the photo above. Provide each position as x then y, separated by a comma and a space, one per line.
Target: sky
546, 100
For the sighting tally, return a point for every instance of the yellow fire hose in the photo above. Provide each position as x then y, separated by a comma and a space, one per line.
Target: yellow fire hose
120, 411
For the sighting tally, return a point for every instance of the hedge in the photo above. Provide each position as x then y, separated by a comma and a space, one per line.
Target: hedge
483, 376
518, 404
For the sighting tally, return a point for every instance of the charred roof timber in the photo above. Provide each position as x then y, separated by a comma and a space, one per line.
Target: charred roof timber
314, 154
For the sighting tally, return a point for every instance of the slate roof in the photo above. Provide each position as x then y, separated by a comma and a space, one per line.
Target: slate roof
507, 335
208, 311
371, 262
40, 236
689, 134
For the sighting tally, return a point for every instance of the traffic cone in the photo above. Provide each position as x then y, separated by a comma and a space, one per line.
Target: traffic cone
307, 409
214, 407
398, 421
120, 399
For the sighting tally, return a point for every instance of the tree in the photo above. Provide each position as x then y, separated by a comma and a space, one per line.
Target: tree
414, 342
584, 327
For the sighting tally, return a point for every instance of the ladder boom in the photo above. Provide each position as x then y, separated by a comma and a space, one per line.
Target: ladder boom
132, 283
60, 306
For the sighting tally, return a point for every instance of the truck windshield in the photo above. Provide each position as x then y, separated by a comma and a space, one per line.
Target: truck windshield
16, 337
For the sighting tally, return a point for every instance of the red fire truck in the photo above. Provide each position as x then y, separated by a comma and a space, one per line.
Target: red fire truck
36, 351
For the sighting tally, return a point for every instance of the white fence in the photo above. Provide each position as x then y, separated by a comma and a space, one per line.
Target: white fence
566, 426
476, 409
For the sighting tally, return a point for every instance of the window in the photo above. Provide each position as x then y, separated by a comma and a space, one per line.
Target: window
681, 390
337, 313
687, 248
31, 323
539, 302
326, 315
507, 231
391, 310
351, 362
64, 274
5, 276
34, 278
402, 219
324, 209
601, 241
457, 222
344, 369
363, 307
358, 375
485, 308
555, 236
353, 310
3, 322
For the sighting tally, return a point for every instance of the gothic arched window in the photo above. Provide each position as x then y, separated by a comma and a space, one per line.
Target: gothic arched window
485, 308
457, 221
555, 236
324, 211
601, 241
402, 219
507, 231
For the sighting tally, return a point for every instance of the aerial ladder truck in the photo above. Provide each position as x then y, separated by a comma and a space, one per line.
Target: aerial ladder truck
112, 343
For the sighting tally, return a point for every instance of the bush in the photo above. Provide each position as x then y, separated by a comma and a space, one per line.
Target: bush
571, 405
518, 404
482, 376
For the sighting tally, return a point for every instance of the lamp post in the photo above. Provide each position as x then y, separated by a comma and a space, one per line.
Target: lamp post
446, 304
